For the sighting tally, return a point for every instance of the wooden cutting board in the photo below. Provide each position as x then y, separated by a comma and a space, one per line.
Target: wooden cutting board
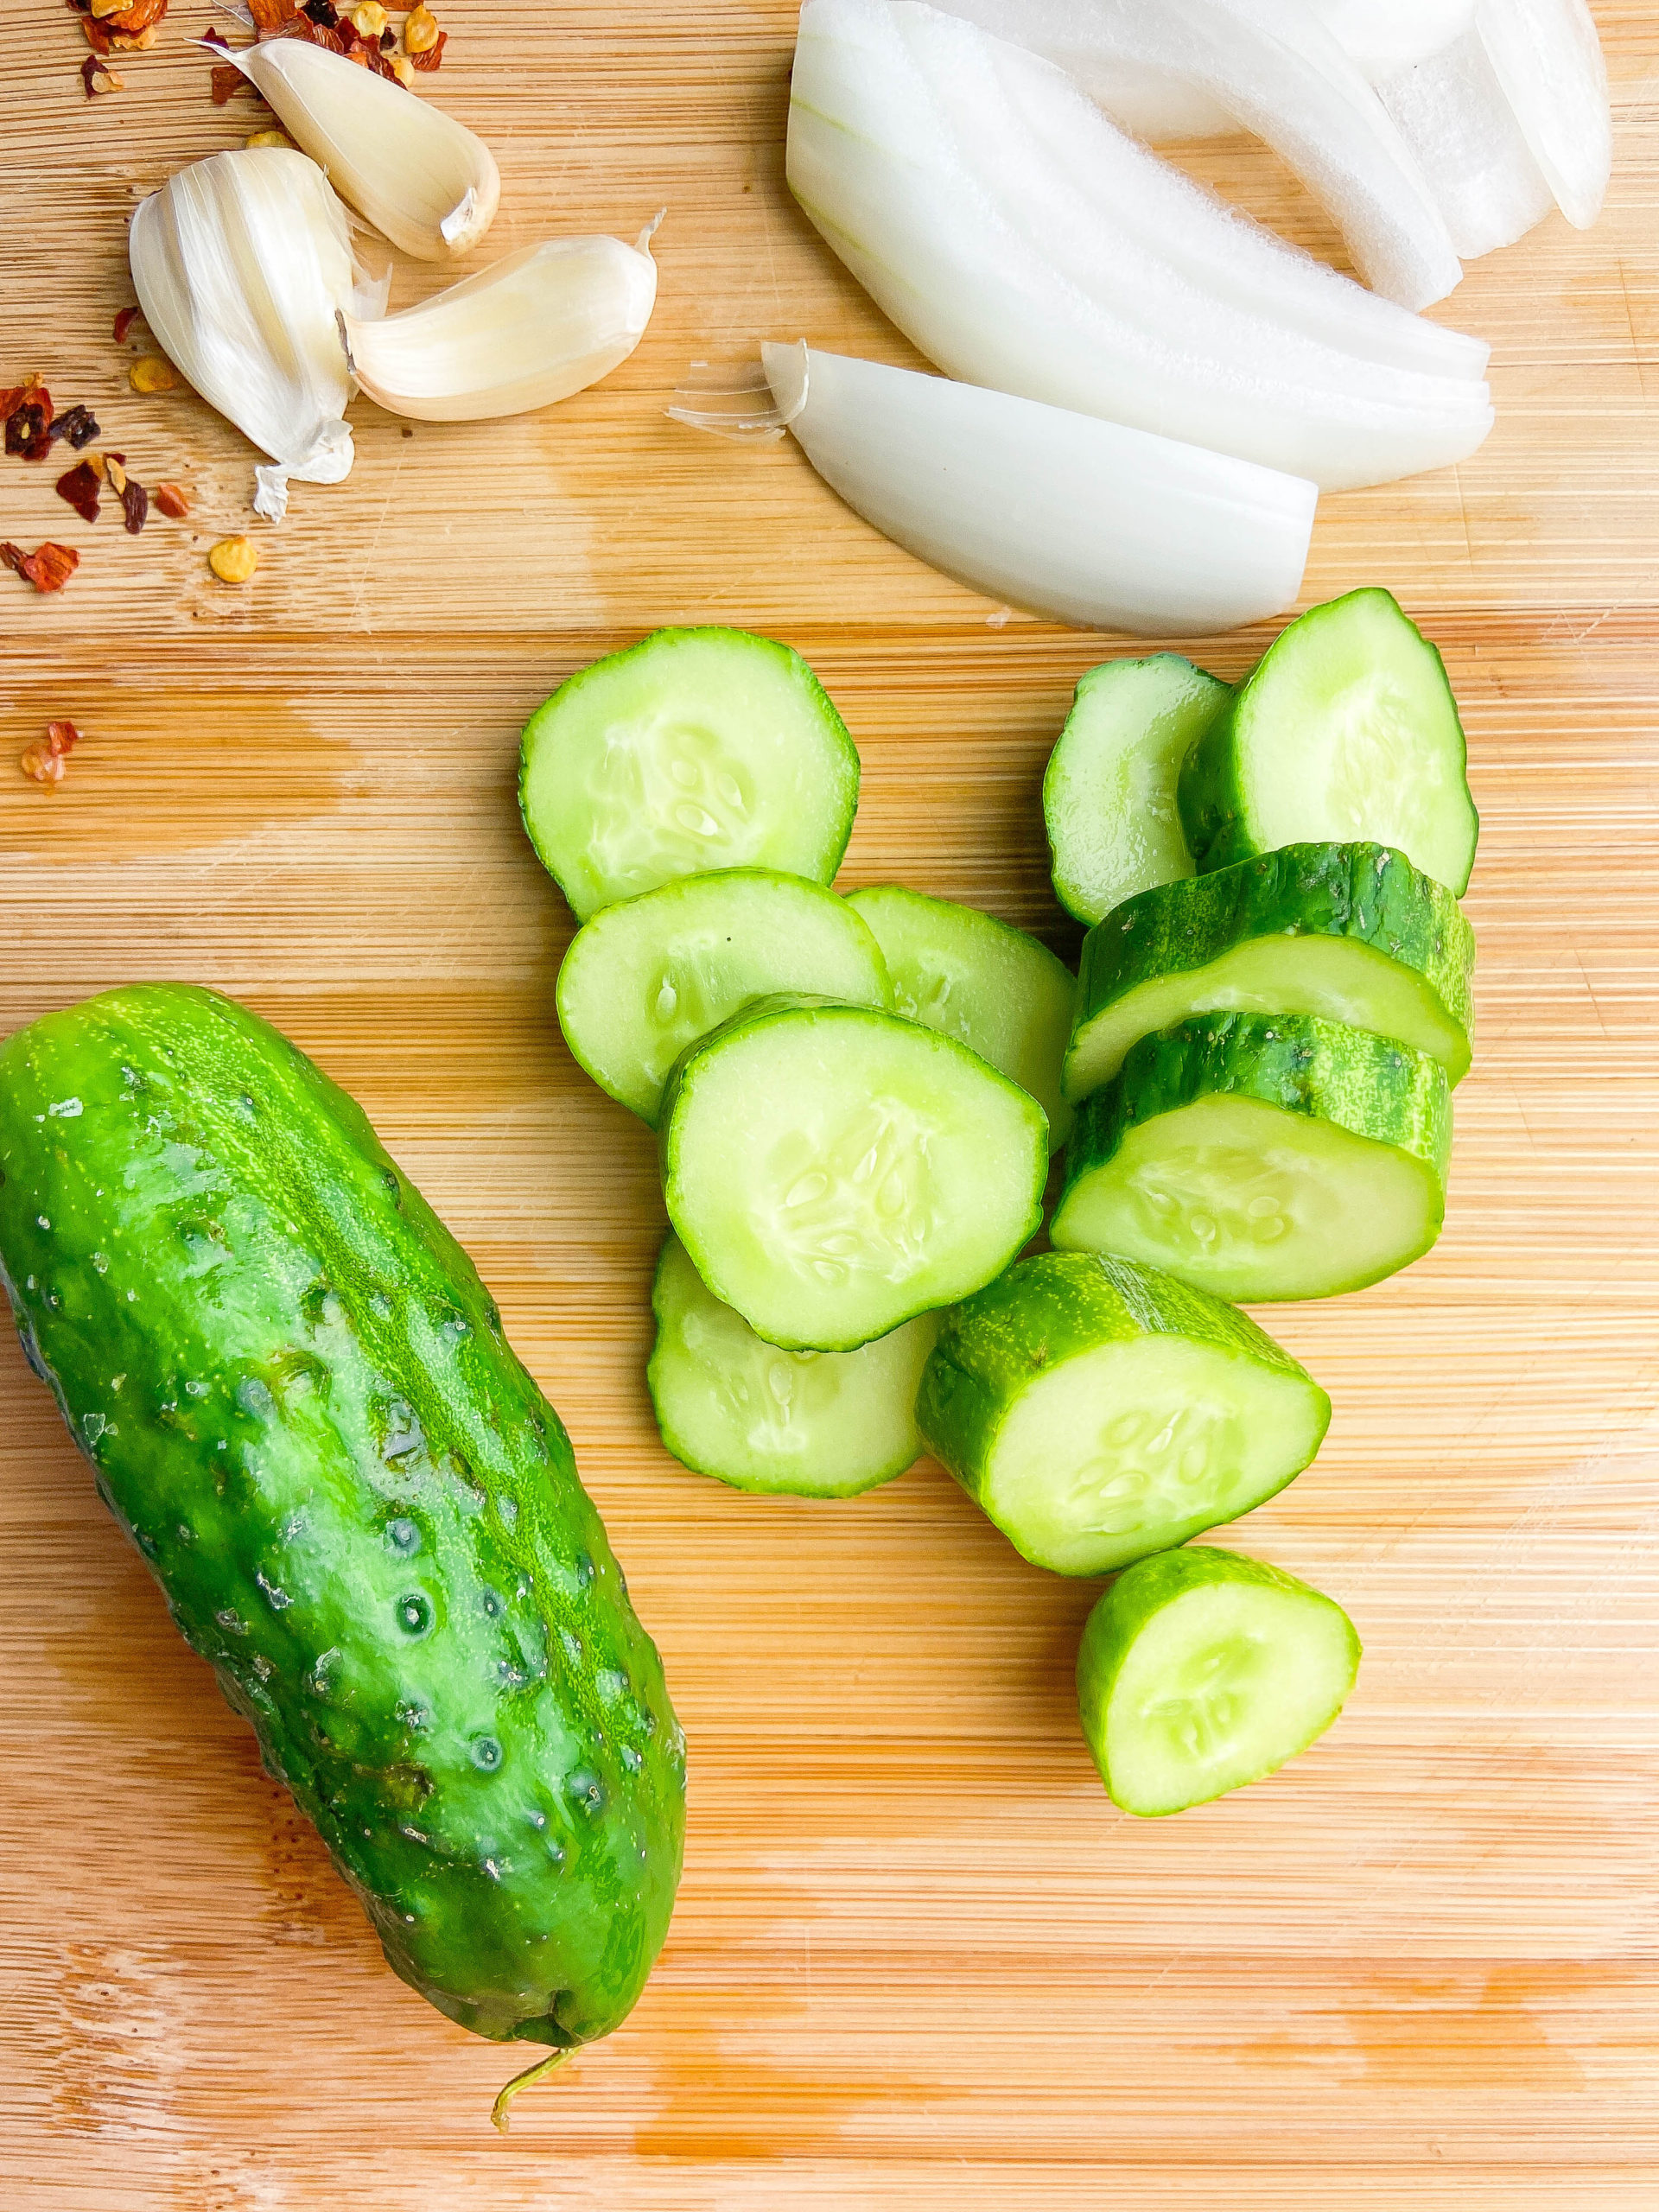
919, 1959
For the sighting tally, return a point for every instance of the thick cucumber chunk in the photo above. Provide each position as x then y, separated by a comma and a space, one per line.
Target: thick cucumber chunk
1108, 793
694, 750
818, 1424
1348, 729
645, 979
1100, 1411
981, 981
834, 1171
1201, 1671
295, 1396
1262, 1156
1351, 933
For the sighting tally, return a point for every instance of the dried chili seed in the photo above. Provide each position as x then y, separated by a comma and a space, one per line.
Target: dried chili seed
135, 503
403, 70
369, 19
154, 373
79, 486
172, 502
78, 425
29, 426
420, 30
233, 559
430, 56
97, 76
257, 138
115, 470
48, 568
124, 318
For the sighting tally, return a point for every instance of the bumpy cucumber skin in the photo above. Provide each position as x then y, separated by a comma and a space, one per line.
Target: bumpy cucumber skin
1374, 1086
1367, 893
1214, 812
1071, 895
1051, 1309
757, 1013
545, 719
296, 1398
1144, 1589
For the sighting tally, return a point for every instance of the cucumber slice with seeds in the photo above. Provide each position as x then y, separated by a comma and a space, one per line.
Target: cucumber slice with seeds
815, 1424
1201, 1670
1351, 933
1262, 1156
693, 750
834, 1171
981, 981
1100, 1411
645, 979
1108, 792
1347, 729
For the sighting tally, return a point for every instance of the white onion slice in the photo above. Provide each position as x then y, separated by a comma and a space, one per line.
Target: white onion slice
1547, 59
1274, 65
1071, 266
1385, 36
1451, 113
1063, 515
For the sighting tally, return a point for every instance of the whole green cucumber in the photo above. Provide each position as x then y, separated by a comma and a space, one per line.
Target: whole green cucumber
296, 1398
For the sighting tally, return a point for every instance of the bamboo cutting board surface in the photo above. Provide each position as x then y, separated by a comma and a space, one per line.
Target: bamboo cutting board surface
918, 1960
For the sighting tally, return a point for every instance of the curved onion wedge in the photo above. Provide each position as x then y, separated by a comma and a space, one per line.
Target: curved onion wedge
1451, 113
1081, 520
1385, 38
1274, 65
414, 172
1548, 58
1024, 243
241, 264
543, 323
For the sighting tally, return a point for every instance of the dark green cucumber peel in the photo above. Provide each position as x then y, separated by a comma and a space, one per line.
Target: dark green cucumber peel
1057, 1307
1368, 897
295, 1396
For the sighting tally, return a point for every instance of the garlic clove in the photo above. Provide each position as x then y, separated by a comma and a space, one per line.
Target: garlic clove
414, 172
241, 264
544, 323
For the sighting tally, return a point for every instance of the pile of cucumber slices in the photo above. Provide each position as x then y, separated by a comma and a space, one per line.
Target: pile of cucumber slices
857, 1099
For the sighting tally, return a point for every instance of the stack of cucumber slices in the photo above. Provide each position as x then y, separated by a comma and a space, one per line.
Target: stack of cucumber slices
855, 1102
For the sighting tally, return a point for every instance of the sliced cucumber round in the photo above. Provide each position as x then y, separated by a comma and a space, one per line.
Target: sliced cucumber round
833, 1171
815, 1424
1262, 1156
1347, 729
1352, 933
981, 981
693, 750
1100, 1411
645, 979
1201, 1670
1108, 792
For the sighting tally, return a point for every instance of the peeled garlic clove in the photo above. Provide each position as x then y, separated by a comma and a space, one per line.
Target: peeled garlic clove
242, 264
544, 323
415, 172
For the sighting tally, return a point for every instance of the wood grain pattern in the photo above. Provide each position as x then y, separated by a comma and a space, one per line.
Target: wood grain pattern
918, 1960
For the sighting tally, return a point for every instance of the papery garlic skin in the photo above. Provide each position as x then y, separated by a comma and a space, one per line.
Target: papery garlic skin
241, 264
1068, 516
534, 327
423, 179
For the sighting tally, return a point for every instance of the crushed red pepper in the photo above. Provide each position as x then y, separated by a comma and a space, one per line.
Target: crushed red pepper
228, 80
81, 486
172, 501
97, 76
48, 568
44, 759
77, 425
29, 422
432, 55
135, 504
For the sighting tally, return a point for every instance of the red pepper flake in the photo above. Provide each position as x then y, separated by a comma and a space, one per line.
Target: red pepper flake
81, 487
28, 425
228, 81
135, 502
125, 317
48, 568
44, 759
433, 54
172, 501
216, 39
78, 425
272, 18
97, 76
323, 13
